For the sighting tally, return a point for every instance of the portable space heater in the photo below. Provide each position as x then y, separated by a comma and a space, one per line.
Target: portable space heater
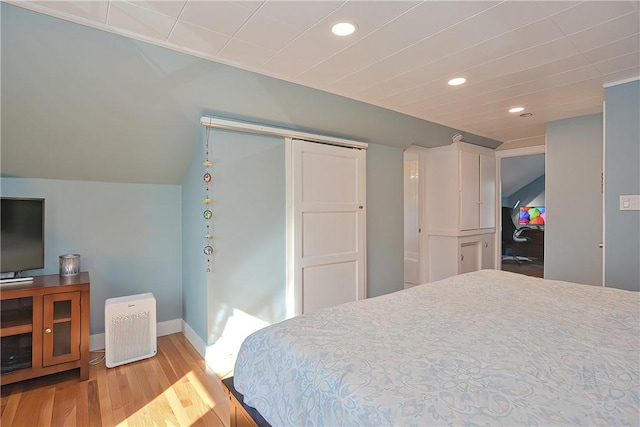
130, 329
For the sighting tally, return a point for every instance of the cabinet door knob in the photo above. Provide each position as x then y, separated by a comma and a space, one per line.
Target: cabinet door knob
48, 330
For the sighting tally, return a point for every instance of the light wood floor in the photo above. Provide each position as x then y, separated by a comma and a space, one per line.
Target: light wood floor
171, 389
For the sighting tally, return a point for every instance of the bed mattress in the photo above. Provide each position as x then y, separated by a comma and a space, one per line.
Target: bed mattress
483, 348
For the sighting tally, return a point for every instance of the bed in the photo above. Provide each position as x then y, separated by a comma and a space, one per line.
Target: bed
483, 348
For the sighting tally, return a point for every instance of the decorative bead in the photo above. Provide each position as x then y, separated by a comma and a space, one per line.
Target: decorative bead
207, 201
208, 214
207, 164
208, 250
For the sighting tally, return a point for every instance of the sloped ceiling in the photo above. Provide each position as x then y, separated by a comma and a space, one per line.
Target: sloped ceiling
84, 104
112, 90
549, 57
516, 172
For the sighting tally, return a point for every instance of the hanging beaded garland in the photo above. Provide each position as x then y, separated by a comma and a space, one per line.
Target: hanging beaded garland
208, 214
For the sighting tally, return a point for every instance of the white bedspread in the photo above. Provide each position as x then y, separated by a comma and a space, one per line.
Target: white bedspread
485, 348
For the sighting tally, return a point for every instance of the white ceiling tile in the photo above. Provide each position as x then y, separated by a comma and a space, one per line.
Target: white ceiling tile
618, 64
612, 50
417, 24
249, 5
606, 33
308, 49
266, 32
197, 38
141, 21
485, 108
518, 93
524, 59
373, 42
90, 10
220, 16
298, 14
457, 62
553, 7
317, 44
245, 54
630, 73
170, 8
591, 13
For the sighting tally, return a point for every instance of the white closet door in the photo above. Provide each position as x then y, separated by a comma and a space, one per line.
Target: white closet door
329, 225
469, 190
487, 191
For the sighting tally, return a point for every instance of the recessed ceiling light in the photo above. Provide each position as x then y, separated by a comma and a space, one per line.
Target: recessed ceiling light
344, 28
516, 109
457, 81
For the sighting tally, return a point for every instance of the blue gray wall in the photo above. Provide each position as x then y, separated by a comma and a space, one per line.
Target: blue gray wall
385, 220
127, 235
113, 109
622, 177
249, 227
532, 194
573, 229
249, 215
195, 290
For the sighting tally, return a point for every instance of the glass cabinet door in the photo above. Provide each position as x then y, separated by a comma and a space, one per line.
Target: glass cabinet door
61, 322
16, 318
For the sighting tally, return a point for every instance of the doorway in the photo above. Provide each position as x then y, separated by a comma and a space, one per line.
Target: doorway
522, 210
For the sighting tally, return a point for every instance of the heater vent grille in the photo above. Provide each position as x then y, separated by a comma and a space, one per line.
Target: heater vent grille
130, 329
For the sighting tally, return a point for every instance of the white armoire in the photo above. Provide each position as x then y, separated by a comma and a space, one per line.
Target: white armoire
460, 209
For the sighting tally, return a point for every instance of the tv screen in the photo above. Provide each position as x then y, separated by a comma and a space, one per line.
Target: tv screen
532, 215
22, 234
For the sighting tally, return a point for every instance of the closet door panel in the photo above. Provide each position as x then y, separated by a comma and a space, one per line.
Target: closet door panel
469, 190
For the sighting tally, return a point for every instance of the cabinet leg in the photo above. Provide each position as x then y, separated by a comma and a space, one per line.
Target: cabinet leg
84, 372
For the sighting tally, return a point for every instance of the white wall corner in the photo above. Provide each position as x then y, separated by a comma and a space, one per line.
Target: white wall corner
96, 341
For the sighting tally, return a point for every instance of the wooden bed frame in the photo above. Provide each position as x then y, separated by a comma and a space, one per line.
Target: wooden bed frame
241, 414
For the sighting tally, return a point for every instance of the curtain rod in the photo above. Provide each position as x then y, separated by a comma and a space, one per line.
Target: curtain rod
239, 126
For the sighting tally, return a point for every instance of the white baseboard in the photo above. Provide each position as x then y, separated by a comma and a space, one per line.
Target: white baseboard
194, 339
168, 327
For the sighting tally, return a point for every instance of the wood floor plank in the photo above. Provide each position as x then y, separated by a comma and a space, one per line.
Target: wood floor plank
174, 388
95, 415
82, 403
64, 407
207, 379
106, 411
46, 405
9, 412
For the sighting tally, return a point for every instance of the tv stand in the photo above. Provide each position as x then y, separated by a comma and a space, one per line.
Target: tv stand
44, 327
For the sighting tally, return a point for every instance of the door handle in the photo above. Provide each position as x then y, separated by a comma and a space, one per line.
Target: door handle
48, 330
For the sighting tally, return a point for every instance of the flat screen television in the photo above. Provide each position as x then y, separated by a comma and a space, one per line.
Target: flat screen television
532, 215
22, 234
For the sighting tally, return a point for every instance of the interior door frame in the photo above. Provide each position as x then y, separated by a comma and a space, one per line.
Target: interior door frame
423, 244
501, 154
293, 292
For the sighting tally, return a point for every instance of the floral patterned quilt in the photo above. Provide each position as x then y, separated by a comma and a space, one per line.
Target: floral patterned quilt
484, 348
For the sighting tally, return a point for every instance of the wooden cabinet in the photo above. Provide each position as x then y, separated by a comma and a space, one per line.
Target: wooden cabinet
460, 200
44, 327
